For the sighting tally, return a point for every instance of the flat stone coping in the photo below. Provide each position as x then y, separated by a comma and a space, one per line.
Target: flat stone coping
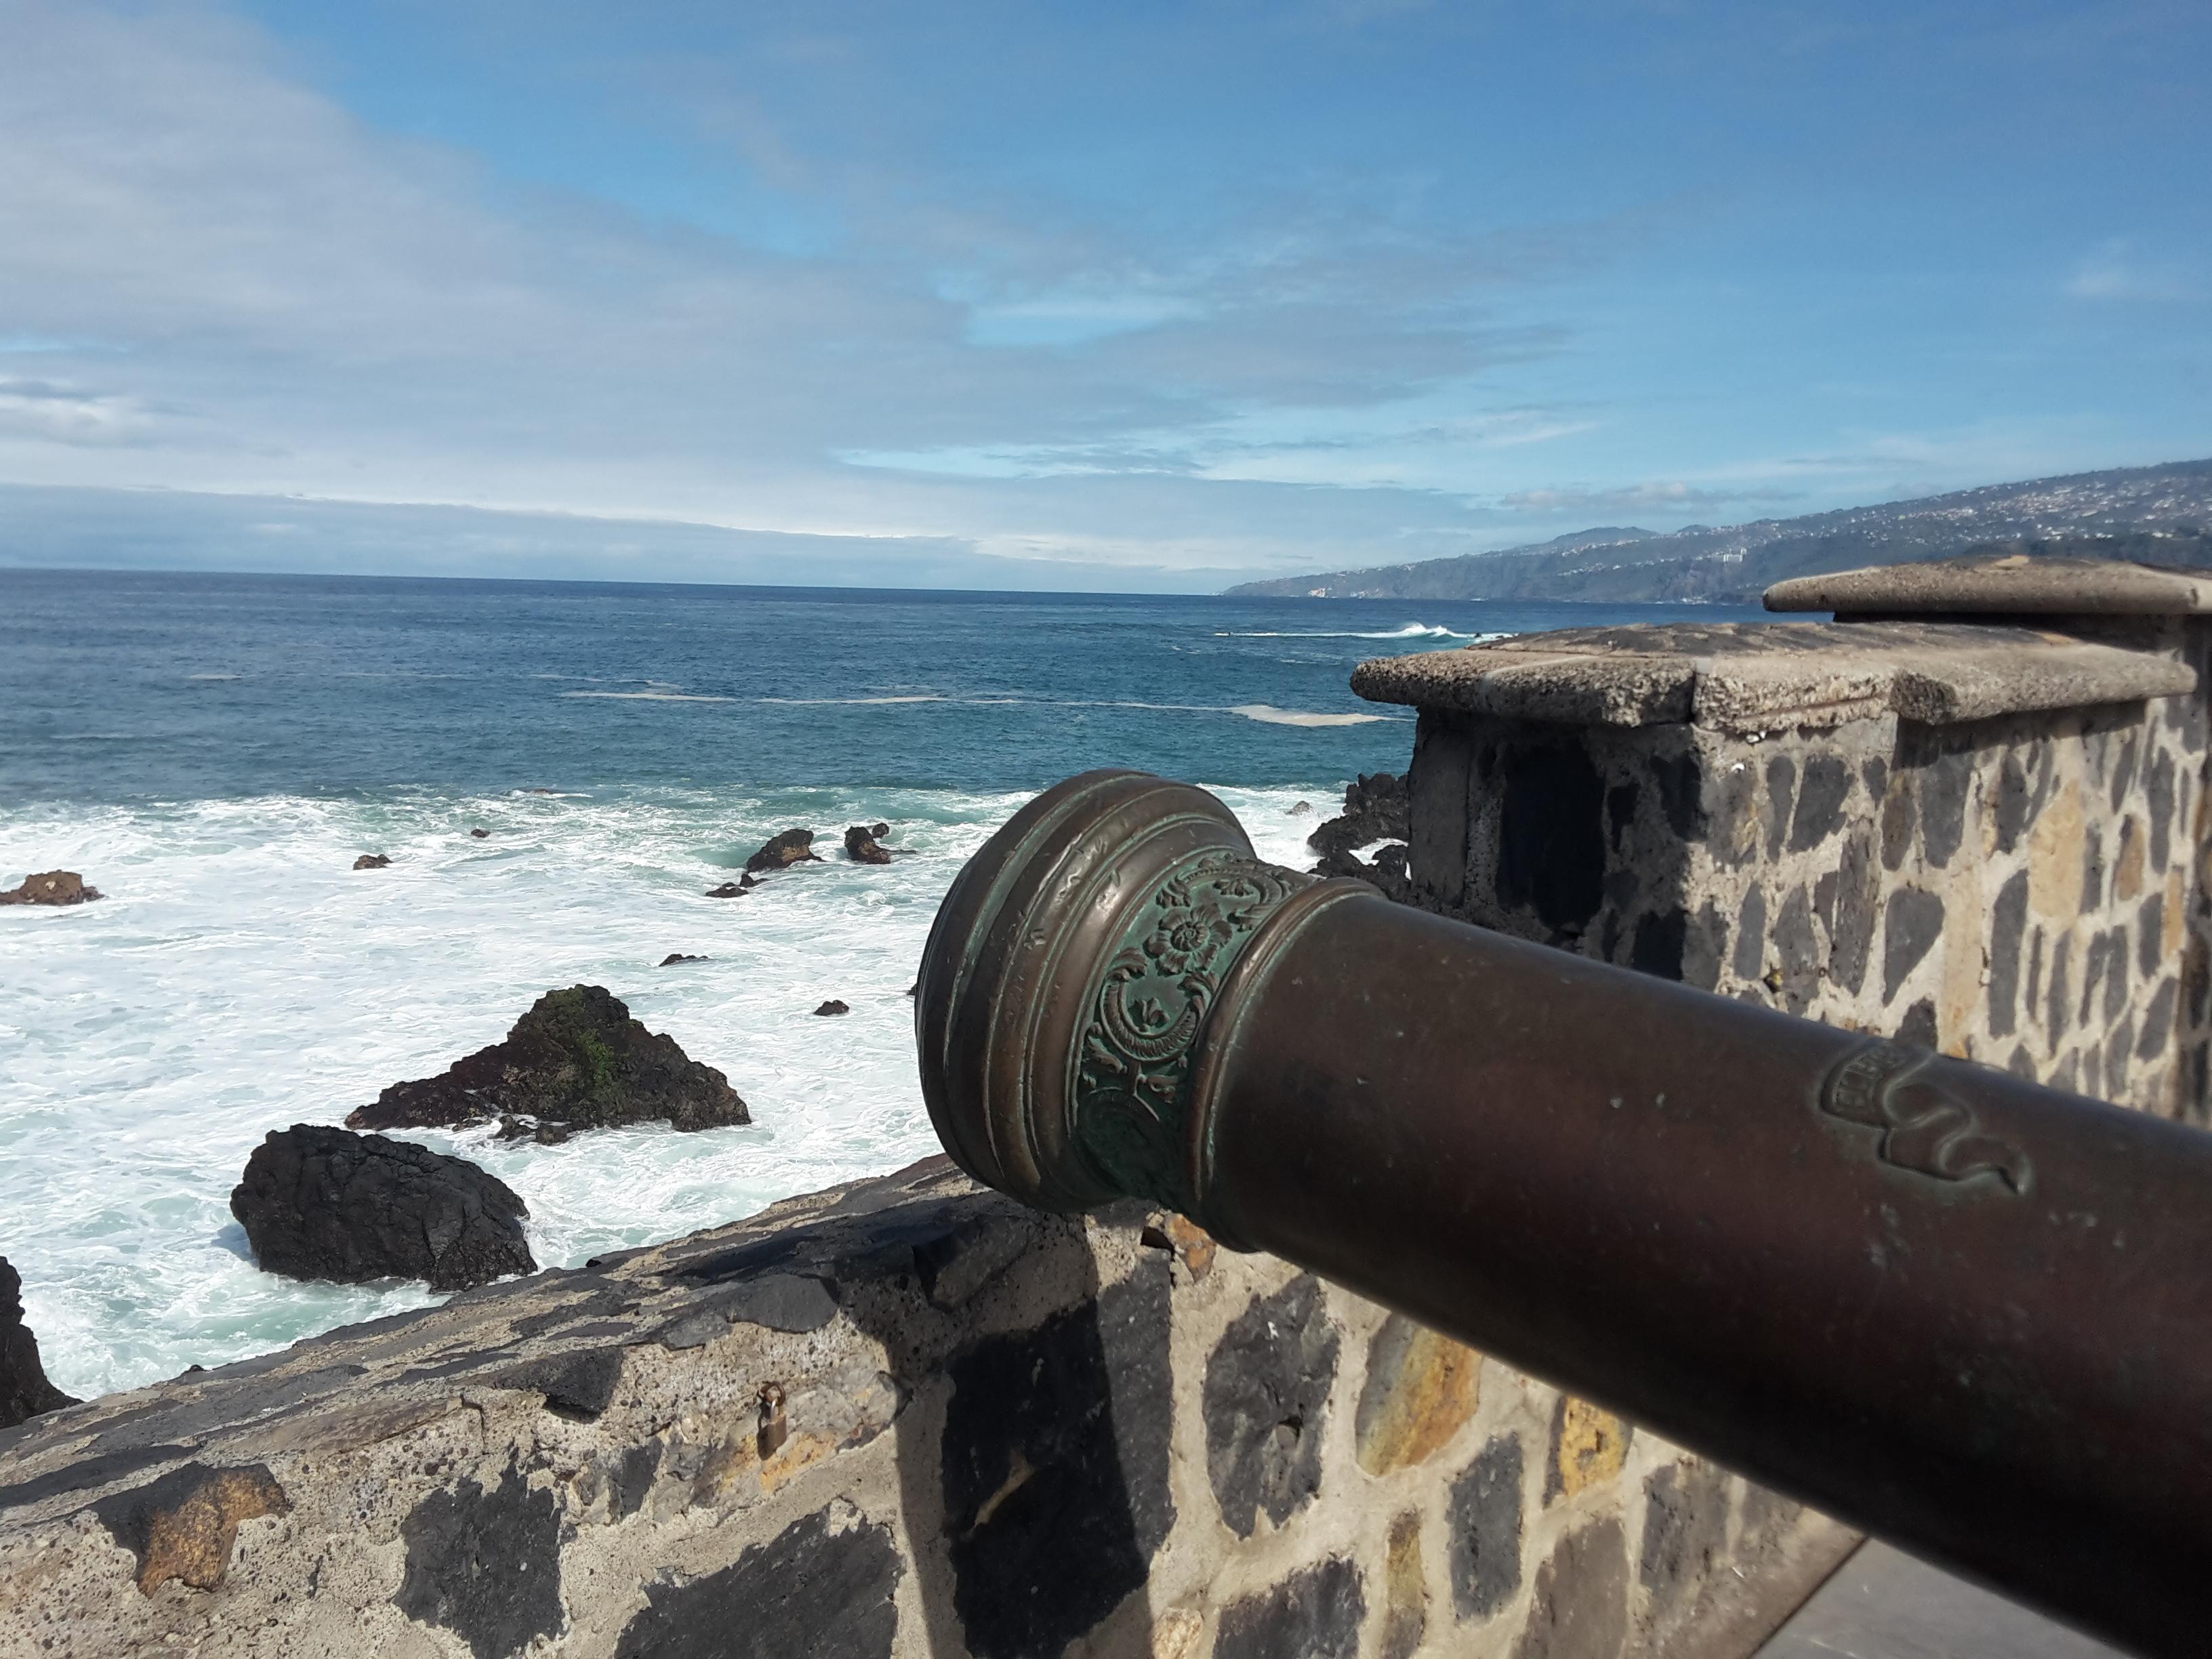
2013, 584
1758, 677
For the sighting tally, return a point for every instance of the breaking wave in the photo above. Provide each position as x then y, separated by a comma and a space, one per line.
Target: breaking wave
240, 977
1410, 631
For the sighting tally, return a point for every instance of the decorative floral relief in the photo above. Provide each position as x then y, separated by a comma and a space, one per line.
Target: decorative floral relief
1159, 988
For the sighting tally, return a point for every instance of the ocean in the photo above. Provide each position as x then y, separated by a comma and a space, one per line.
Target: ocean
213, 752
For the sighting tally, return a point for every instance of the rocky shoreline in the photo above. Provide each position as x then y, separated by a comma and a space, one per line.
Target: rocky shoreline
351, 1206
1377, 818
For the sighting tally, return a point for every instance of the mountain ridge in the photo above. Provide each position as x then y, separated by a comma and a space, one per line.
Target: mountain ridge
2164, 510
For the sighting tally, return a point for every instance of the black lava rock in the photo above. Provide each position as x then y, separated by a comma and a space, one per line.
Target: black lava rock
1376, 808
863, 847
318, 1202
50, 887
24, 1390
781, 851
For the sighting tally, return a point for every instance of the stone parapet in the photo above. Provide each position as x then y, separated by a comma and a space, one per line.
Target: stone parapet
1783, 677
902, 1417
1983, 836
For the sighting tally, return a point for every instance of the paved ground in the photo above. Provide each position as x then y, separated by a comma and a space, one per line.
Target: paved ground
1882, 1604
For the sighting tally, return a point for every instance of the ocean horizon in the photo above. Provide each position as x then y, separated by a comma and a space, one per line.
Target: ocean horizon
214, 751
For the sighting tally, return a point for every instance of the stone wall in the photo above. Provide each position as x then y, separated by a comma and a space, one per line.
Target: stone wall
1981, 838
905, 1417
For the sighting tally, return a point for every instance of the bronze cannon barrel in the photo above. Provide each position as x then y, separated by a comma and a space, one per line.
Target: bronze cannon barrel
1963, 1312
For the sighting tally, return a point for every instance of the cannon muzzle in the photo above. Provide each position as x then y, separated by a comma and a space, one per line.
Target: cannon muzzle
1963, 1312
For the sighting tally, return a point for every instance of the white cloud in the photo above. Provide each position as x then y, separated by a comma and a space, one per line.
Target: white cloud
216, 278
350, 314
48, 412
2116, 271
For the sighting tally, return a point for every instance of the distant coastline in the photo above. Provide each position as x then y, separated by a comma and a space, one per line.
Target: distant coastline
2148, 514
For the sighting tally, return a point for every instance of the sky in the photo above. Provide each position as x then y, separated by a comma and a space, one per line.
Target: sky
1134, 296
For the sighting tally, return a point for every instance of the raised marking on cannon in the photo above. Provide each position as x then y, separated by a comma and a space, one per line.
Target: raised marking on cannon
1925, 1128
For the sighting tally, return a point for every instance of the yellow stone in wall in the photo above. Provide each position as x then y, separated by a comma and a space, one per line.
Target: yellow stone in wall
2054, 858
1965, 969
1421, 1389
2127, 880
1194, 1243
192, 1540
1593, 1445
1176, 1633
1405, 1589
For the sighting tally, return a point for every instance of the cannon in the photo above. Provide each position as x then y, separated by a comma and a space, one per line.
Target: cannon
1958, 1310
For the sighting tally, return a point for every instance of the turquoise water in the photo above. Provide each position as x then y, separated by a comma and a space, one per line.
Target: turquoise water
213, 752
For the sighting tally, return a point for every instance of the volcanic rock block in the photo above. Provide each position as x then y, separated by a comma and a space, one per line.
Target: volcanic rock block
727, 890
862, 846
512, 1127
318, 1202
780, 852
1376, 807
24, 1390
50, 887
833, 1007
371, 861
576, 1058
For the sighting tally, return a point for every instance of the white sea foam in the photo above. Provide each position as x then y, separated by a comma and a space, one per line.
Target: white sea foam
840, 703
649, 696
1410, 631
211, 676
241, 976
1269, 715
1265, 713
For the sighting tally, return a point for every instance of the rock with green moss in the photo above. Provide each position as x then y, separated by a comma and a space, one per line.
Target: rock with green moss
577, 1059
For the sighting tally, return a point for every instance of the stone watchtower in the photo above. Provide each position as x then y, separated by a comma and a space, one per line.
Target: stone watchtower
1968, 813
